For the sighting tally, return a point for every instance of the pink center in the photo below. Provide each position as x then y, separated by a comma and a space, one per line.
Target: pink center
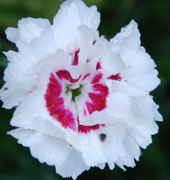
55, 102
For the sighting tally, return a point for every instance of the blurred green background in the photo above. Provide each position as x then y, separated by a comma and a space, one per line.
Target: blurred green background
153, 17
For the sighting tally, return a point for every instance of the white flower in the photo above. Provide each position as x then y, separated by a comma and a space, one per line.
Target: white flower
81, 101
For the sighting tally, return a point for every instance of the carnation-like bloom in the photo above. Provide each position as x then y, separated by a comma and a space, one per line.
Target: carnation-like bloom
81, 100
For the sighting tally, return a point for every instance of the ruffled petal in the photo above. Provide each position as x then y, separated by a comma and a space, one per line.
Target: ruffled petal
127, 42
142, 71
34, 116
53, 151
73, 14
28, 29
22, 76
140, 67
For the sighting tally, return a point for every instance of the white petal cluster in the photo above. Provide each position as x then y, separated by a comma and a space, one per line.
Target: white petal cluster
130, 115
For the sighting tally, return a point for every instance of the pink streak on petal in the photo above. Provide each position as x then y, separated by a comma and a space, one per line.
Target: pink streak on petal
97, 78
55, 104
87, 129
88, 60
85, 113
115, 77
98, 98
64, 74
54, 87
85, 76
94, 42
98, 66
100, 88
76, 58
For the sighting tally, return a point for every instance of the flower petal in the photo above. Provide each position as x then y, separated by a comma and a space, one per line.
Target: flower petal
72, 14
140, 69
28, 29
34, 116
53, 151
143, 68
127, 41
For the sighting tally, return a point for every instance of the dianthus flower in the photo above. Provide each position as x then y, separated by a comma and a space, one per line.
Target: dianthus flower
81, 100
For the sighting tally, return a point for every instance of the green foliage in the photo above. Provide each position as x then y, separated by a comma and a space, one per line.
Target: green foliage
153, 18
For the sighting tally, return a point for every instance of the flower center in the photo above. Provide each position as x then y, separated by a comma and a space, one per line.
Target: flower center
75, 92
95, 97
